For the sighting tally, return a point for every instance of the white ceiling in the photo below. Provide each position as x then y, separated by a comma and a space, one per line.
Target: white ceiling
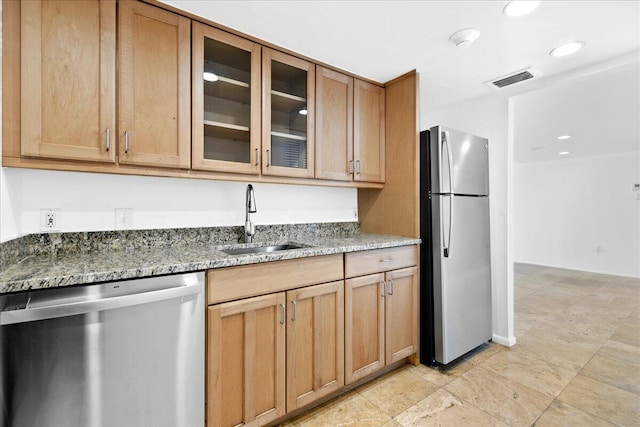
601, 113
381, 40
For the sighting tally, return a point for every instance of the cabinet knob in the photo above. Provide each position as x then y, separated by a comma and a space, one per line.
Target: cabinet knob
384, 289
108, 137
390, 286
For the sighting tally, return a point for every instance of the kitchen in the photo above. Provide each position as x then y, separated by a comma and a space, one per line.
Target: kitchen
26, 191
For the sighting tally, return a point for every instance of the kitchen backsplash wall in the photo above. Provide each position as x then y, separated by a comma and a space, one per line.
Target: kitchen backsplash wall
87, 202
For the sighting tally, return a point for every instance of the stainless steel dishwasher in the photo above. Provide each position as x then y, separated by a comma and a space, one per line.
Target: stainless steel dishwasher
128, 353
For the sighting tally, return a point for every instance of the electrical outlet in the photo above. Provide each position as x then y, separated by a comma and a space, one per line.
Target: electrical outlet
50, 219
124, 218
599, 249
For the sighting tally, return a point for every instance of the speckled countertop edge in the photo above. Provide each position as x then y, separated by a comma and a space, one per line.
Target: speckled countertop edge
44, 271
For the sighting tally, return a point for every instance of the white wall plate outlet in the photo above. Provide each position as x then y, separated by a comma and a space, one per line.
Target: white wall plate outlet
124, 218
50, 220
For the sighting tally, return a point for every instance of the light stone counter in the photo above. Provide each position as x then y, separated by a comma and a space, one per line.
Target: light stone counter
109, 262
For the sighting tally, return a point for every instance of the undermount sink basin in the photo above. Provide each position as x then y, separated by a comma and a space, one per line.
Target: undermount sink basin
260, 249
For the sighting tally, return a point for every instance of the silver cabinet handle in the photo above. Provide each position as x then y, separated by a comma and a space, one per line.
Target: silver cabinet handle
283, 308
126, 141
358, 167
108, 139
390, 286
350, 166
257, 157
384, 289
268, 158
293, 310
386, 260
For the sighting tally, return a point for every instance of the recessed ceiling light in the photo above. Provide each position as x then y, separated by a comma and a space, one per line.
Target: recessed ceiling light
564, 137
209, 77
567, 49
563, 153
464, 38
519, 8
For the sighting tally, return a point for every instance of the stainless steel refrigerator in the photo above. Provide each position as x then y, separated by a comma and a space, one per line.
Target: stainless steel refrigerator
455, 252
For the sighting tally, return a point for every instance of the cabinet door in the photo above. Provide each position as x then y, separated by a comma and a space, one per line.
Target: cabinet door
401, 333
288, 108
246, 361
225, 101
334, 125
68, 96
368, 132
315, 343
364, 326
154, 97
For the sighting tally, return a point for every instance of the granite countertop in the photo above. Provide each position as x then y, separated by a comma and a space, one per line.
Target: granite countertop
41, 271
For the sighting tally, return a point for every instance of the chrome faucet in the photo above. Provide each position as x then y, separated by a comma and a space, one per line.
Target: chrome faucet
250, 205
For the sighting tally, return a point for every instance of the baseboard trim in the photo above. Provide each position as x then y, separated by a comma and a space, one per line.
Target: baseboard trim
509, 342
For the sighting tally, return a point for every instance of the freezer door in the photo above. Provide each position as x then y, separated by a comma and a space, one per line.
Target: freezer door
459, 162
462, 275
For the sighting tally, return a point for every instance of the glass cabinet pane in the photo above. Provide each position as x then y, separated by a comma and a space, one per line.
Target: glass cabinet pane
288, 116
227, 102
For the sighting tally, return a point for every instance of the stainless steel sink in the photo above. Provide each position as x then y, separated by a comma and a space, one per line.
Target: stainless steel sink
260, 249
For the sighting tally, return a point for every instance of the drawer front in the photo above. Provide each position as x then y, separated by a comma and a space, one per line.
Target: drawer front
230, 283
376, 261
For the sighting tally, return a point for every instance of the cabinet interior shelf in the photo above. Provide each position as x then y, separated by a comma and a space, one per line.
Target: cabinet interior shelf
286, 102
289, 136
226, 88
226, 131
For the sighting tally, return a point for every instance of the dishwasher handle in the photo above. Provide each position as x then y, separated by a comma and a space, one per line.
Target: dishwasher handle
102, 304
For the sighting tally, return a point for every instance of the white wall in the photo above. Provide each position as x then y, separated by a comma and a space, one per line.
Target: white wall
579, 213
489, 117
87, 201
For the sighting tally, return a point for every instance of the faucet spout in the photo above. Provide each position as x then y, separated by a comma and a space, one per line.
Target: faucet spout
250, 207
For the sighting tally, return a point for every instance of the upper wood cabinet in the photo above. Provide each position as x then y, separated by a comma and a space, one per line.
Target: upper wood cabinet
334, 125
350, 119
154, 96
288, 111
68, 79
369, 132
225, 101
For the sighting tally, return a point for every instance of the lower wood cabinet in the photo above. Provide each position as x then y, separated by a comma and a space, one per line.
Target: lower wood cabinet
315, 343
381, 312
269, 355
246, 361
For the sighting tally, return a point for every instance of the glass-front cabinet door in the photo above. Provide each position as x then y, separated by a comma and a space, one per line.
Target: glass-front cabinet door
225, 102
288, 112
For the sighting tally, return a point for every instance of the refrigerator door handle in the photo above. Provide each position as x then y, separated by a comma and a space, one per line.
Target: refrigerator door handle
446, 238
445, 140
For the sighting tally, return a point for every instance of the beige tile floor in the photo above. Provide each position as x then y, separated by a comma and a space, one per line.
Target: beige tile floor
576, 363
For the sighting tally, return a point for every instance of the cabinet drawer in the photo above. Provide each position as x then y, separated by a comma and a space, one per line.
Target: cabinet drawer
376, 261
226, 284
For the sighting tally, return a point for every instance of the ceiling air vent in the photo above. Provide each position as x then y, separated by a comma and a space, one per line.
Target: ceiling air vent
513, 78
